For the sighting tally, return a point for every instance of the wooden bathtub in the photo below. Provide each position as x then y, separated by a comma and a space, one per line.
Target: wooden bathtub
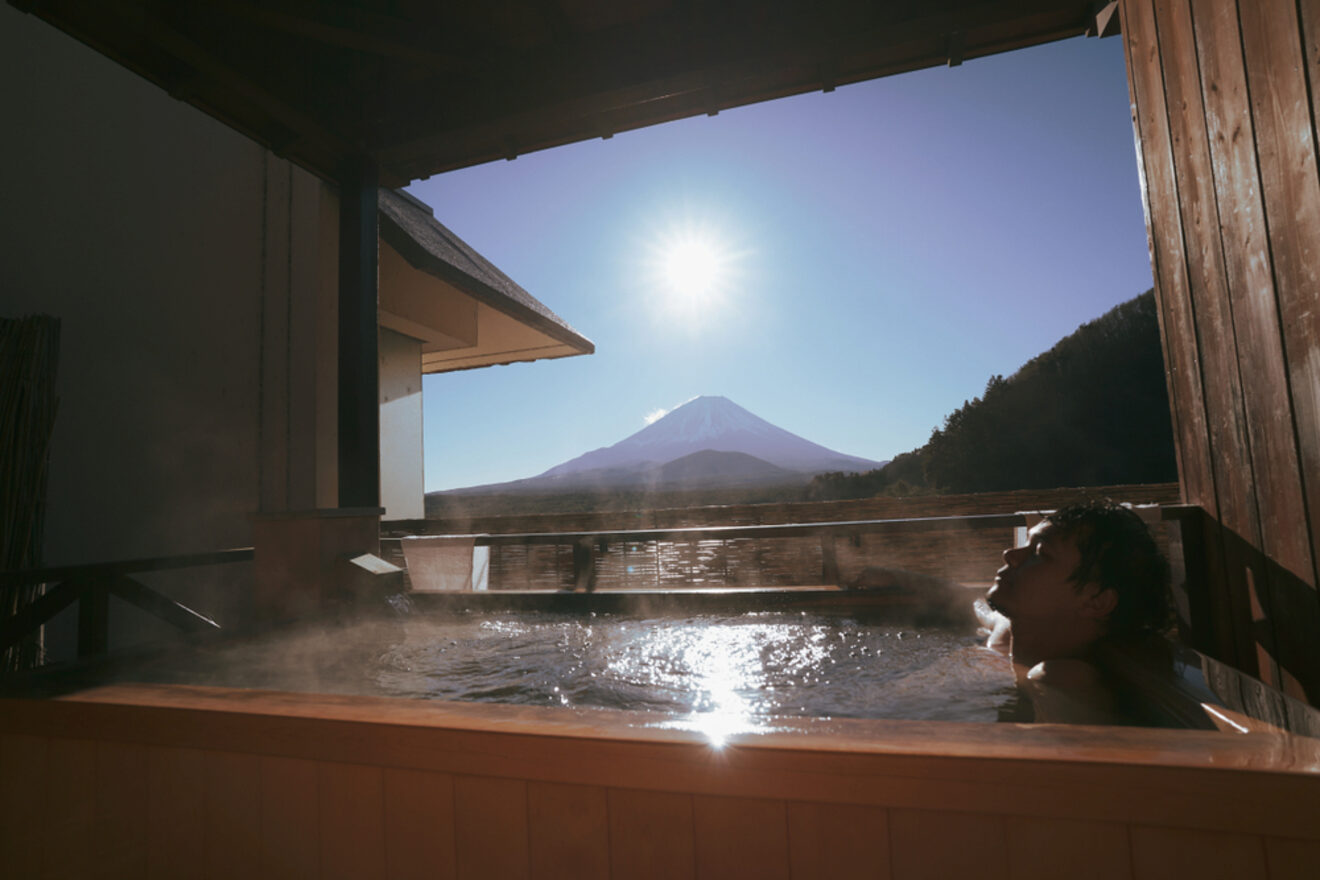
175, 781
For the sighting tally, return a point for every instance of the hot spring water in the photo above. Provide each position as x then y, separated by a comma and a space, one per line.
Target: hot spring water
713, 672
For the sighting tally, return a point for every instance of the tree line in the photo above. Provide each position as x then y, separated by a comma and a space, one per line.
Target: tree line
1091, 411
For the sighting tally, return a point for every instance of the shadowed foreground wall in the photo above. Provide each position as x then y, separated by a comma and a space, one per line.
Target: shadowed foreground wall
151, 781
1224, 99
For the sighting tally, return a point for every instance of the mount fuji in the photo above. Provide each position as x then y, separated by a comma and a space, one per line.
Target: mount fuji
707, 442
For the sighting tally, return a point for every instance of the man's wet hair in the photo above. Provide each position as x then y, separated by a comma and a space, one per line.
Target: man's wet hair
1119, 553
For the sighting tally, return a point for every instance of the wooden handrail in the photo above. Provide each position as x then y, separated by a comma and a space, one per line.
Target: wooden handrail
91, 586
9, 579
714, 533
1178, 512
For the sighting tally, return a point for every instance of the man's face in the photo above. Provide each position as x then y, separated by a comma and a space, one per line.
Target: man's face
1036, 579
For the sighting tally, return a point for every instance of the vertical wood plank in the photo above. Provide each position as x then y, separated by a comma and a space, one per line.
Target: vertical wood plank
1160, 853
419, 824
838, 842
1209, 305
71, 779
352, 818
1038, 849
274, 365
303, 283
651, 835
1204, 429
176, 812
568, 831
359, 369
740, 837
1282, 85
490, 827
290, 819
23, 802
1168, 260
1139, 43
233, 816
1290, 189
921, 849
1275, 465
1291, 859
121, 809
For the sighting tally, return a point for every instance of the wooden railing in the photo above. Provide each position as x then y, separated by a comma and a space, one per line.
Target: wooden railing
91, 586
585, 553
591, 548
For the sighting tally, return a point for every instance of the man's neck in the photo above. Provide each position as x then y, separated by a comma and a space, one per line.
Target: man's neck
1034, 643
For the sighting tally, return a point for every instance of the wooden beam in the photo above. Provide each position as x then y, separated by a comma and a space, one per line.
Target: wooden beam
359, 381
154, 603
93, 619
1106, 23
35, 613
542, 94
359, 30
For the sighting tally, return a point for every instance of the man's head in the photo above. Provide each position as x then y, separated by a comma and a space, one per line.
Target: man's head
1089, 568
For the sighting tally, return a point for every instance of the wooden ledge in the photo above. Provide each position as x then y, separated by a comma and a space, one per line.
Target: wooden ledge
1127, 746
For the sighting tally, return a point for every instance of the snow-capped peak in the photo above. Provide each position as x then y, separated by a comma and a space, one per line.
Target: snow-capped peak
716, 423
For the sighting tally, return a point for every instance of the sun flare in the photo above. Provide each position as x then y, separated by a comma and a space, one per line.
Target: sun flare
694, 271
692, 266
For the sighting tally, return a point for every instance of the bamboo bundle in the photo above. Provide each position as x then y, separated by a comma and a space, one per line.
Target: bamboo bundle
29, 355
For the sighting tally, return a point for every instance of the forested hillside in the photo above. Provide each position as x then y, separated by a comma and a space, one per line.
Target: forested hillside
1091, 411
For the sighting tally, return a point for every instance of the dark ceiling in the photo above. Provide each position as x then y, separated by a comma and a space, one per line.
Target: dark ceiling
425, 87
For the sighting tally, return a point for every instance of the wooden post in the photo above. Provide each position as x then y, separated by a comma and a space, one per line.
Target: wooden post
829, 560
359, 392
584, 565
93, 619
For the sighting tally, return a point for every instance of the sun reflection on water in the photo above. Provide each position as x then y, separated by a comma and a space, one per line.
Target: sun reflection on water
729, 670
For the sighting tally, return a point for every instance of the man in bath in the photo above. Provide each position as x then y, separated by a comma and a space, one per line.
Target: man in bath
1089, 576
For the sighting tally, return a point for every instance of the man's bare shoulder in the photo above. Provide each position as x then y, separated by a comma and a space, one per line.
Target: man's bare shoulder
1070, 690
1066, 672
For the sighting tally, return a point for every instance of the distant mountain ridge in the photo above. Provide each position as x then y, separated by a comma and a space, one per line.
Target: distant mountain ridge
708, 441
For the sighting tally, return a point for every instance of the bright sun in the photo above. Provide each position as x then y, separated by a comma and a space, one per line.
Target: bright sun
694, 272
692, 268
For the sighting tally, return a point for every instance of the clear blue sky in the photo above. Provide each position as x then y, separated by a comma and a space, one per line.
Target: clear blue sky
880, 250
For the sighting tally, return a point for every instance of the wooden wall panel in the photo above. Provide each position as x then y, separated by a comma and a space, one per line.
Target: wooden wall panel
176, 812
290, 823
1290, 188
490, 827
419, 825
1292, 859
1161, 853
740, 838
71, 813
352, 821
568, 831
1038, 848
1251, 290
233, 824
1229, 478
835, 842
1223, 97
22, 802
1160, 195
651, 835
929, 845
121, 809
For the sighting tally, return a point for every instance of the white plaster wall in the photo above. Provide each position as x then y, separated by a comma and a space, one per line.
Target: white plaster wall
401, 467
183, 261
